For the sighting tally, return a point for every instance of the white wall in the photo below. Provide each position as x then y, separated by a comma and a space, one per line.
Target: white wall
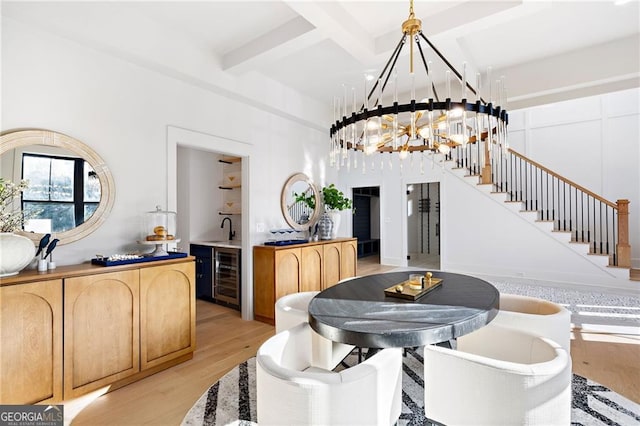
125, 113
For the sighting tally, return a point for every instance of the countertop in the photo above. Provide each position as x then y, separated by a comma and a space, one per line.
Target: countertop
304, 244
225, 243
68, 271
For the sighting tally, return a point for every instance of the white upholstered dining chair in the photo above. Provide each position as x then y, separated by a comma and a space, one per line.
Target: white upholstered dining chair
498, 376
536, 316
291, 391
292, 310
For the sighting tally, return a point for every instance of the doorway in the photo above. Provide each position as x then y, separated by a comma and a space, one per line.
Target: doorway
423, 225
195, 143
366, 221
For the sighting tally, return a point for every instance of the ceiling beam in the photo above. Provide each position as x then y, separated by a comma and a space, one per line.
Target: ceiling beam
335, 23
295, 35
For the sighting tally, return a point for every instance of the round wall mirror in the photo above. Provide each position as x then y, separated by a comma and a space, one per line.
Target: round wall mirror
71, 190
300, 201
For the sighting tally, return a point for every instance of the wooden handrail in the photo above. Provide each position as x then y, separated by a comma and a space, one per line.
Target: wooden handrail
564, 179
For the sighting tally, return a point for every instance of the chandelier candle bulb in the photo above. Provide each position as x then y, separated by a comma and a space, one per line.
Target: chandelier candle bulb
430, 93
380, 110
464, 81
354, 126
490, 85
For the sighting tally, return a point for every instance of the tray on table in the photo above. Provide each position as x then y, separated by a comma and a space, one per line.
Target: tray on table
285, 242
409, 293
106, 262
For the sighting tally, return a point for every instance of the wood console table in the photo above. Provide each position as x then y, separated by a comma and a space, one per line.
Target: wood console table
78, 328
281, 270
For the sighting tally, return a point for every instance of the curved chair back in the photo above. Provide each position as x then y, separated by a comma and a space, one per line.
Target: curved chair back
536, 316
293, 309
498, 375
291, 391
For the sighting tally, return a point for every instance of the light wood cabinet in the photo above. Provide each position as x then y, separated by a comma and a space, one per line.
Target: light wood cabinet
167, 313
333, 264
101, 330
314, 266
348, 259
288, 271
82, 327
31, 355
313, 261
270, 266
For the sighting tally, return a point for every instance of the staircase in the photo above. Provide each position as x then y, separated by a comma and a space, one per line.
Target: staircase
589, 224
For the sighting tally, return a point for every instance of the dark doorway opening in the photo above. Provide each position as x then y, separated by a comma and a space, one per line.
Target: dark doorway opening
366, 220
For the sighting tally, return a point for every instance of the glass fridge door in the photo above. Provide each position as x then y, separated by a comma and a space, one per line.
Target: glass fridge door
227, 276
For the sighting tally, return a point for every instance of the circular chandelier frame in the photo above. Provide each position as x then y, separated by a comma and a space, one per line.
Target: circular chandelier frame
350, 131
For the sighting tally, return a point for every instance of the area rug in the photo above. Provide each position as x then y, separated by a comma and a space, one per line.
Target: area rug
232, 400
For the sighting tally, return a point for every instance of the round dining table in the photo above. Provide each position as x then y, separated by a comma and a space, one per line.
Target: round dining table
359, 312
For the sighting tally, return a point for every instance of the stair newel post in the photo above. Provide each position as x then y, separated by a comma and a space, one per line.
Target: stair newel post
486, 170
623, 247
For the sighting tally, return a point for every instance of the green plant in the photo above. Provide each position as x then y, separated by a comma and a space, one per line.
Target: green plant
11, 219
308, 199
335, 199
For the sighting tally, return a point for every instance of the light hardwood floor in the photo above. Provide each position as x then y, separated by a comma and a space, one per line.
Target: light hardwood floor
224, 340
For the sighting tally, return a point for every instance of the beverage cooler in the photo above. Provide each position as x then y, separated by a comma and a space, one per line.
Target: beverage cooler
226, 276
217, 274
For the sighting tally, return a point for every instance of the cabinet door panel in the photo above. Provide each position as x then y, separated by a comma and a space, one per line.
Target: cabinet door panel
101, 324
287, 272
349, 259
31, 354
167, 313
264, 283
204, 271
312, 259
332, 264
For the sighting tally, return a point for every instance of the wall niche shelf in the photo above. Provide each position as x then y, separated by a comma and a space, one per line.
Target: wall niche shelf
230, 160
230, 187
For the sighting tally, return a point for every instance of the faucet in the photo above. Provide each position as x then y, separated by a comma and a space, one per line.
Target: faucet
231, 232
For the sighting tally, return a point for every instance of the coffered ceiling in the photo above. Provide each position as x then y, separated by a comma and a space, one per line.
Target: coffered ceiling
546, 50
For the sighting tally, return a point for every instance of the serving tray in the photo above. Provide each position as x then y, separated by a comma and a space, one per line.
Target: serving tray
285, 242
409, 293
106, 262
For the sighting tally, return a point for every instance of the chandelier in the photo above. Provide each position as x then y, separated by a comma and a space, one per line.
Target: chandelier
430, 125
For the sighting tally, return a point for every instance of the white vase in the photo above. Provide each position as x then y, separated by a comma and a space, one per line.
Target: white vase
16, 252
335, 219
